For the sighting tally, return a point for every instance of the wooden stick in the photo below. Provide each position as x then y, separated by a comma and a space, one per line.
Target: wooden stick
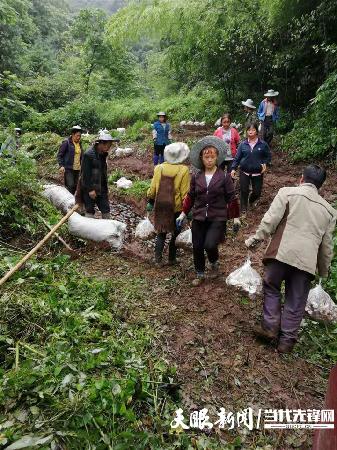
57, 235
39, 245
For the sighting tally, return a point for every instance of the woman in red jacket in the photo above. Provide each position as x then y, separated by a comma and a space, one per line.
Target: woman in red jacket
210, 192
230, 136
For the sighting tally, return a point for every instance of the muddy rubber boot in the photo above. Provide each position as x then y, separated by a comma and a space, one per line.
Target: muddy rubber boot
89, 215
158, 262
199, 279
285, 347
262, 332
236, 225
214, 270
106, 216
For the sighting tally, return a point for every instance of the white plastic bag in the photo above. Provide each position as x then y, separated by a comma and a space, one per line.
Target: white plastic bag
184, 240
196, 124
202, 124
124, 183
218, 122
246, 278
320, 305
97, 230
145, 230
120, 152
121, 130
59, 196
190, 122
182, 123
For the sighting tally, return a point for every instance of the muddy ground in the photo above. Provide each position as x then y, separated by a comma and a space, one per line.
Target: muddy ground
207, 331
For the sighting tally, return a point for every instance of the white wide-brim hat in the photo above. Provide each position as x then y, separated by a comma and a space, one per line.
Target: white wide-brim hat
176, 153
208, 141
271, 93
249, 103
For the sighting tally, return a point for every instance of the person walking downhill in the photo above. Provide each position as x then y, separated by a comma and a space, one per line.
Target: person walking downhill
211, 191
70, 158
268, 114
94, 177
252, 157
231, 137
301, 226
169, 186
250, 110
161, 134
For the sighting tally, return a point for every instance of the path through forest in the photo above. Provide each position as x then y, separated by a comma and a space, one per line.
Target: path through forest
207, 331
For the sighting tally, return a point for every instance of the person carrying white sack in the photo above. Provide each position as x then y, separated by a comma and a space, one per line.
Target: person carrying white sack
169, 186
301, 226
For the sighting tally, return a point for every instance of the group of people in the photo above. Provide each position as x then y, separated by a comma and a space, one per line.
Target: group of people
299, 222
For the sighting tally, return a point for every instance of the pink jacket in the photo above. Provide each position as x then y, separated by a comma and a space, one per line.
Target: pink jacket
235, 138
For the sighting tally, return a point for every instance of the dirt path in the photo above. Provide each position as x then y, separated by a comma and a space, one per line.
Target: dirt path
207, 331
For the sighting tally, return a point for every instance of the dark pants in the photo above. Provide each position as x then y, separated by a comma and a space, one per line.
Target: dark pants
227, 165
206, 236
297, 286
160, 243
71, 179
158, 154
245, 182
267, 131
102, 202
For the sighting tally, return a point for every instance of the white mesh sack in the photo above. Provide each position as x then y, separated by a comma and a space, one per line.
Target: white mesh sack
120, 152
184, 239
59, 196
98, 230
124, 183
246, 278
145, 230
320, 306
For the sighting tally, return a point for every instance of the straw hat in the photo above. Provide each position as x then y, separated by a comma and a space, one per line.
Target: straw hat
271, 93
249, 103
209, 141
176, 153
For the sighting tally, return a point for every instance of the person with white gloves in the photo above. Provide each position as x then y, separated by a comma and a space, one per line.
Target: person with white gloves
301, 226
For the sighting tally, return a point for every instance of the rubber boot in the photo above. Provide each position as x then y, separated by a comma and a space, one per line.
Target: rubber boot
106, 216
199, 279
161, 159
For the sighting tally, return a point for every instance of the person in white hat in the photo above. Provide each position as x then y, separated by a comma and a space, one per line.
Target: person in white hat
162, 136
69, 158
169, 186
250, 110
94, 177
268, 114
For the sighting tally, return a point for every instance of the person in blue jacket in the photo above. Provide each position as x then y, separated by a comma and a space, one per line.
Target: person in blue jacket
161, 134
268, 114
252, 157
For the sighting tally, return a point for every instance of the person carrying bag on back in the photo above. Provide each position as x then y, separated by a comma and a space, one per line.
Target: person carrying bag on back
169, 186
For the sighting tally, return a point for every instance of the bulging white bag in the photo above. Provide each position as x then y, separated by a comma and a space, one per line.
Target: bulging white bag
98, 230
120, 152
182, 123
59, 196
184, 240
145, 230
246, 278
124, 183
121, 130
196, 124
320, 306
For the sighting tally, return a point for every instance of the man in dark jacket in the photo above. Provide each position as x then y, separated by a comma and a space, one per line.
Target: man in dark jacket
69, 158
94, 177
